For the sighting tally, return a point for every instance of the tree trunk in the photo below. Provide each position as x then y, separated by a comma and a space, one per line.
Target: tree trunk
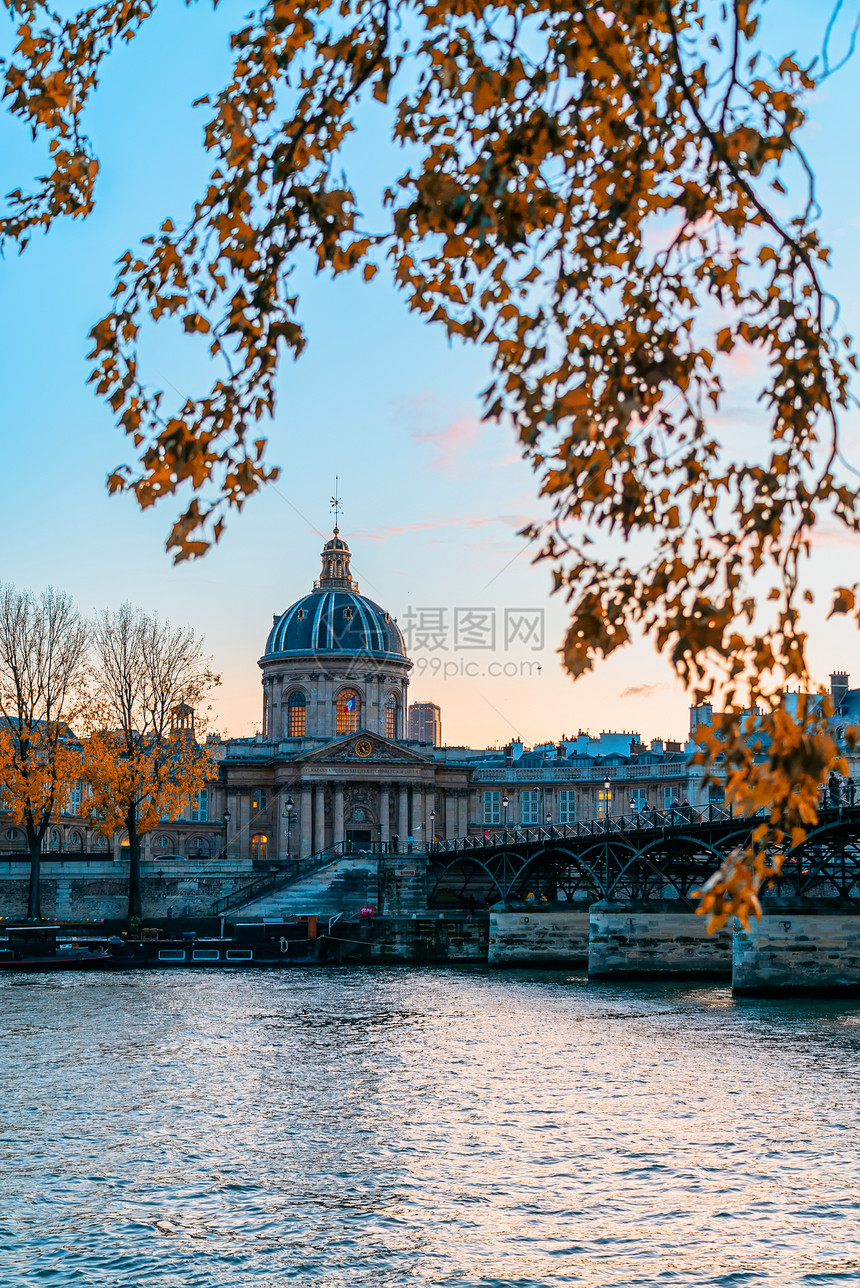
135, 907
34, 897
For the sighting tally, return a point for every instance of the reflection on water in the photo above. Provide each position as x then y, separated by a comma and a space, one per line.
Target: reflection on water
436, 1127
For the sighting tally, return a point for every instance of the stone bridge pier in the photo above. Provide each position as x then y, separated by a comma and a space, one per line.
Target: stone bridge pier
656, 939
799, 947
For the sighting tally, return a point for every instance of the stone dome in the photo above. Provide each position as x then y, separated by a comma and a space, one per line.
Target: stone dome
334, 617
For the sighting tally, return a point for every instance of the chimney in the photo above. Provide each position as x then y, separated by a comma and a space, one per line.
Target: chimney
703, 714
838, 688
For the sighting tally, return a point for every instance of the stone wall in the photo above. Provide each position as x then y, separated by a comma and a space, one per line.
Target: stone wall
534, 935
655, 940
402, 884
427, 939
103, 894
791, 950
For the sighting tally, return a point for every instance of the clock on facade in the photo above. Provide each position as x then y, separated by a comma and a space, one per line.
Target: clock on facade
363, 748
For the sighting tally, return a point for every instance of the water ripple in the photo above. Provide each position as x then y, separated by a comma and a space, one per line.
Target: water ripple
374, 1128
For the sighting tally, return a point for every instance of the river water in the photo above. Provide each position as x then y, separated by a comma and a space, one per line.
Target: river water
375, 1127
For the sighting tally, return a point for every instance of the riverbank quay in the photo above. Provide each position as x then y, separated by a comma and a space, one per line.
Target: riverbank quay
800, 945
96, 889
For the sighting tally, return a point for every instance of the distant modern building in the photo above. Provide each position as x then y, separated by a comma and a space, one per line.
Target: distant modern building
425, 723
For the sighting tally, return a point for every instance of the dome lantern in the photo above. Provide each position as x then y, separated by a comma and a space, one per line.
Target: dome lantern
335, 573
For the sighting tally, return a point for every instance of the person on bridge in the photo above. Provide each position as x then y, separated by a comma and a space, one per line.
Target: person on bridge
833, 788
849, 791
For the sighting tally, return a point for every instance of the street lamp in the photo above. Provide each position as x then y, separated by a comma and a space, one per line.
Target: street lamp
607, 797
289, 806
505, 804
226, 817
432, 825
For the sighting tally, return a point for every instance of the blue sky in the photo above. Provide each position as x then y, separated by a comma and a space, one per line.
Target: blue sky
432, 498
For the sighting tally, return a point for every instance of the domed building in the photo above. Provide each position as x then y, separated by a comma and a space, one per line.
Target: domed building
333, 763
335, 662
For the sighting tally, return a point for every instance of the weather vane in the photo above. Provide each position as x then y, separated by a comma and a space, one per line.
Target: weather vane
336, 506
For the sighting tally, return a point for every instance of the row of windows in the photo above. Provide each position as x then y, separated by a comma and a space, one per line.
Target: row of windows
79, 792
75, 841
347, 716
530, 804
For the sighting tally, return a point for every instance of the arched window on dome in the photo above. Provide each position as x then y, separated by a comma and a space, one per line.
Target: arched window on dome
296, 715
391, 720
348, 711
259, 847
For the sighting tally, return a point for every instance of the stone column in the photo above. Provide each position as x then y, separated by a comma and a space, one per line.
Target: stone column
319, 818
418, 818
242, 829
403, 814
304, 847
338, 813
449, 806
462, 813
383, 815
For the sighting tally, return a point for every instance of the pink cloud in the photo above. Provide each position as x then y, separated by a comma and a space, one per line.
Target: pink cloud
450, 443
458, 521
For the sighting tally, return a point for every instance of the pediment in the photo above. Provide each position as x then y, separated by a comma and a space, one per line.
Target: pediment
367, 749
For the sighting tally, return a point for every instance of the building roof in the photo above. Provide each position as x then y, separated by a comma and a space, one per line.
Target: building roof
335, 617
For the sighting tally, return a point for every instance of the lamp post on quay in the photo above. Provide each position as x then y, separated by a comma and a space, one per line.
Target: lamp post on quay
289, 806
607, 800
226, 817
505, 804
432, 836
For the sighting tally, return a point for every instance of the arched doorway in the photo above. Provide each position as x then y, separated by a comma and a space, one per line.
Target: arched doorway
360, 829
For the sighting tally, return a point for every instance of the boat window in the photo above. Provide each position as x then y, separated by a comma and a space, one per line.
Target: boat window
205, 955
239, 954
171, 954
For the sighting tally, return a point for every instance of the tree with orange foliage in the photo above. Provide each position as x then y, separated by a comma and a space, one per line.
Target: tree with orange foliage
141, 762
614, 201
42, 671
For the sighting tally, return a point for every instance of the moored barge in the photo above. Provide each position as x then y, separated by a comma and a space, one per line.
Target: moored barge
270, 943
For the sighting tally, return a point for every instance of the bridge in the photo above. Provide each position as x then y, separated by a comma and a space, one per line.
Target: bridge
639, 856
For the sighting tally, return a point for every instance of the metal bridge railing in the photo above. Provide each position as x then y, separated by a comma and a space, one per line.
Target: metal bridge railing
637, 821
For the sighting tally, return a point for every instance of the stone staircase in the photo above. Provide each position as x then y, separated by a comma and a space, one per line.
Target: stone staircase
343, 885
